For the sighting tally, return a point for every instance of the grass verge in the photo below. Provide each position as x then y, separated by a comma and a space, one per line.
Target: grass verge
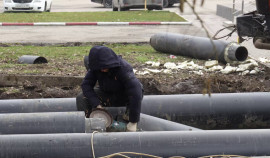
65, 60
128, 16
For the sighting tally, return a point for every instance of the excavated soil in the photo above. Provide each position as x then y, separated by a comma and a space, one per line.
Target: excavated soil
180, 82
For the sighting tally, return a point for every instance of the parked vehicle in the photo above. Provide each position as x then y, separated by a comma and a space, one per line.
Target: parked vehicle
169, 3
130, 4
27, 5
105, 3
108, 3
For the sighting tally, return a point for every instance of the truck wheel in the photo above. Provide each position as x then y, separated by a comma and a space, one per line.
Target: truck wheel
254, 39
159, 8
49, 10
114, 8
107, 3
170, 4
45, 7
165, 3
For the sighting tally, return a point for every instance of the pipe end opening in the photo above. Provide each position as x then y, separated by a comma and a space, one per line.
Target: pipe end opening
241, 54
40, 60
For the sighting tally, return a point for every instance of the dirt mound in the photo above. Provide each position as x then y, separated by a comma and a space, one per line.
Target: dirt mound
180, 82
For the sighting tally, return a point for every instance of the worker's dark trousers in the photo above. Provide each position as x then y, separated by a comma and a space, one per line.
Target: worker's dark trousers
106, 100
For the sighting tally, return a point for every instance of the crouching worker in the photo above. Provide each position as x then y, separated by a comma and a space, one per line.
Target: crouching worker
117, 85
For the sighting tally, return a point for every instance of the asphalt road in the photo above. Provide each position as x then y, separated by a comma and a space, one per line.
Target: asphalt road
129, 34
61, 34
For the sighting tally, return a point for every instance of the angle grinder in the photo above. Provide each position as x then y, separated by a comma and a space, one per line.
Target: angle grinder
103, 114
111, 125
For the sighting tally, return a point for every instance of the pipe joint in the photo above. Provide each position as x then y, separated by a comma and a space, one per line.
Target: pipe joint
235, 52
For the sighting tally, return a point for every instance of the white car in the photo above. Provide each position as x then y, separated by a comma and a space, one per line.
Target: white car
27, 5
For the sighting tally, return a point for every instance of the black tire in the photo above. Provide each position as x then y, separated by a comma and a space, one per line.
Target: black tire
159, 8
254, 39
107, 3
170, 4
124, 9
114, 8
50, 8
45, 7
165, 3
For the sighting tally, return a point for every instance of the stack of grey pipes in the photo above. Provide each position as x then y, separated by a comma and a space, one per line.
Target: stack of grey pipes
190, 125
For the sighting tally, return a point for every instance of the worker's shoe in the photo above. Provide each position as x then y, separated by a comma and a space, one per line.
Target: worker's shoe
131, 127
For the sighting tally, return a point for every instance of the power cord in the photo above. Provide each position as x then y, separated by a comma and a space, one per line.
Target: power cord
134, 153
227, 35
92, 144
223, 156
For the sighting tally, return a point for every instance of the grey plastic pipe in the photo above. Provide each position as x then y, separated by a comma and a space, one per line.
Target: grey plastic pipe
48, 122
220, 111
198, 47
37, 105
31, 59
150, 123
163, 144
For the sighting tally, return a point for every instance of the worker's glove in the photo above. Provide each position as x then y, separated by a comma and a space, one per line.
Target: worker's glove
131, 127
126, 115
99, 107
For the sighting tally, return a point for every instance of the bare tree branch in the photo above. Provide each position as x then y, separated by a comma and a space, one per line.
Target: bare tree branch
207, 88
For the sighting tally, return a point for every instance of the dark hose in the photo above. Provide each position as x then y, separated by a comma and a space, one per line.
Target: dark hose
261, 45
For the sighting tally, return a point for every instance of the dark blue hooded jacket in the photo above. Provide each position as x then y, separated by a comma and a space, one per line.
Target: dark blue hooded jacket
119, 79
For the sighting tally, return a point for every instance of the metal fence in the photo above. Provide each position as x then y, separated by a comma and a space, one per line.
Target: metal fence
237, 7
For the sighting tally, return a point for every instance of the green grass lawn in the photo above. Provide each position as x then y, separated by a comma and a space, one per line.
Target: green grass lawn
63, 60
132, 52
127, 16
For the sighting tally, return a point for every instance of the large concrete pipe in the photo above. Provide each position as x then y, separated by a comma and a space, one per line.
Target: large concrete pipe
37, 105
150, 123
48, 122
163, 144
198, 47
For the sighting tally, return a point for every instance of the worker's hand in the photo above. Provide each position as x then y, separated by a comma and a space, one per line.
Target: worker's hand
131, 127
99, 107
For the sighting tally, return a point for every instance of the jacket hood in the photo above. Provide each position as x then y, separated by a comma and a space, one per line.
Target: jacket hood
101, 57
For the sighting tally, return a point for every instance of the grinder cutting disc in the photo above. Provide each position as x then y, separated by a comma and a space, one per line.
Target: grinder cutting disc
101, 113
